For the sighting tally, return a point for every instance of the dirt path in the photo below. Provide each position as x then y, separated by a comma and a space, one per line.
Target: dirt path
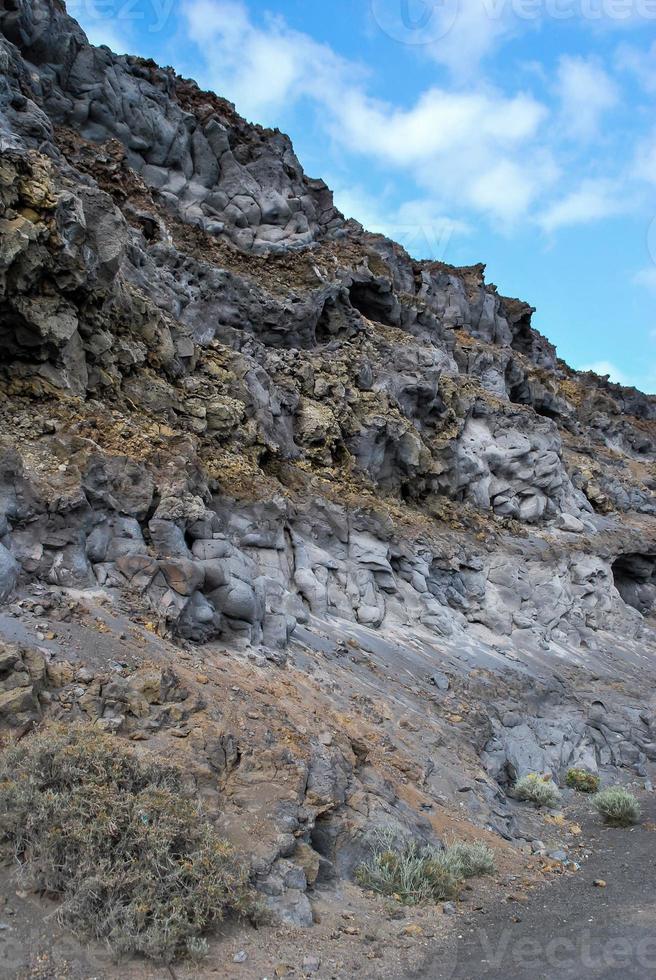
572, 930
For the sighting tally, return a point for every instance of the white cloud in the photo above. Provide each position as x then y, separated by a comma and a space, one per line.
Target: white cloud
501, 154
475, 32
457, 34
638, 63
440, 122
105, 23
646, 277
472, 145
586, 92
424, 232
642, 352
591, 201
644, 380
607, 367
507, 189
100, 30
644, 167
263, 70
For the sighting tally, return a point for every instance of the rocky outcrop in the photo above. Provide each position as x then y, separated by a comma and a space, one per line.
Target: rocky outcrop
22, 679
257, 431
231, 179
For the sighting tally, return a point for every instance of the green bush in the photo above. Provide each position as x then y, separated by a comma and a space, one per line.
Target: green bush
470, 859
421, 876
617, 806
582, 780
536, 789
133, 861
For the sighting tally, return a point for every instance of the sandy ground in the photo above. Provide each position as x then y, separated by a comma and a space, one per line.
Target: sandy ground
574, 929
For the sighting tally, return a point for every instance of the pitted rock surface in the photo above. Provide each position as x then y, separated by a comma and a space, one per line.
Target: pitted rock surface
252, 430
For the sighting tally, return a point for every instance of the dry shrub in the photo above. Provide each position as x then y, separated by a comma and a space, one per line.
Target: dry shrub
421, 876
134, 862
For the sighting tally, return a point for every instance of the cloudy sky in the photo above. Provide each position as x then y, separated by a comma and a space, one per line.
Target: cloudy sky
521, 133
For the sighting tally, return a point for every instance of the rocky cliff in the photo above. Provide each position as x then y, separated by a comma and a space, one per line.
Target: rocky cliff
335, 526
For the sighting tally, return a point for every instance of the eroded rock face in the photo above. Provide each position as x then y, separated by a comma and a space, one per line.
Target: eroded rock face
266, 431
635, 580
232, 180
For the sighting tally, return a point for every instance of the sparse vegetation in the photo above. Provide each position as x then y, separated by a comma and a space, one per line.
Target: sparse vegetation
133, 861
537, 789
470, 859
582, 780
617, 806
422, 876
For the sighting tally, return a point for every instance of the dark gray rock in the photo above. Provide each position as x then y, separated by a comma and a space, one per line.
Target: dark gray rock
441, 681
9, 571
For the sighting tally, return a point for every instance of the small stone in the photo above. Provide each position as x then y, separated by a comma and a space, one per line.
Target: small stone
326, 738
412, 930
311, 964
240, 957
440, 680
449, 908
202, 679
599, 883
559, 856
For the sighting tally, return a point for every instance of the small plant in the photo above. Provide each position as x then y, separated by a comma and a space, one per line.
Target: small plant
617, 806
133, 861
421, 876
537, 789
582, 780
470, 859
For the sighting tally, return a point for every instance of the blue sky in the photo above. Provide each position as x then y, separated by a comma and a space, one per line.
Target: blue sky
520, 133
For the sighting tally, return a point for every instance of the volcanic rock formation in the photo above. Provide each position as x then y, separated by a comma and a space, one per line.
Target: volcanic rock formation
423, 548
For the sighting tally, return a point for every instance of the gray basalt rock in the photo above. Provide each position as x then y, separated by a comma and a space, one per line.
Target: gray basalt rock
9, 571
253, 424
190, 147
